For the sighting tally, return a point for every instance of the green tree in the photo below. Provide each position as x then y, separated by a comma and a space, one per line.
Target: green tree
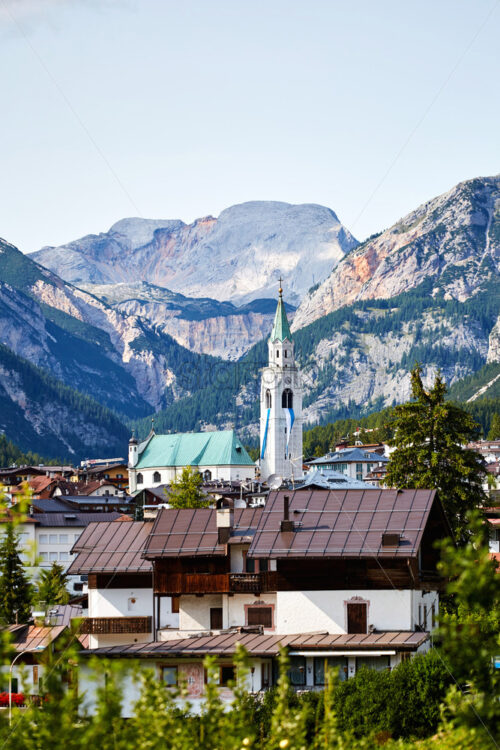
185, 490
494, 433
430, 434
52, 585
15, 588
469, 628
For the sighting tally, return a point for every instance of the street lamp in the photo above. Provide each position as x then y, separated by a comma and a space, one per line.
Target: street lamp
16, 657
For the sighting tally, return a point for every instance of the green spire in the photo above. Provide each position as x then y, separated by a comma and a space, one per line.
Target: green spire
281, 328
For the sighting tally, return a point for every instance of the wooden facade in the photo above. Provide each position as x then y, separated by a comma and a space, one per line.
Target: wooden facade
116, 625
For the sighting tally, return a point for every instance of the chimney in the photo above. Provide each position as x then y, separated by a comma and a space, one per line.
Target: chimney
286, 524
225, 522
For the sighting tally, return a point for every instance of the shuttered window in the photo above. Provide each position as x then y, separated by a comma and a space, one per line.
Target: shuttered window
260, 616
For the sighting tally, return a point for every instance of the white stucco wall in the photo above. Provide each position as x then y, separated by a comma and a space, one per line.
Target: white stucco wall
118, 602
168, 473
236, 607
309, 611
194, 611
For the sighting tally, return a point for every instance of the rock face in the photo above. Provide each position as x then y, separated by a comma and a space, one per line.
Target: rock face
494, 343
203, 325
453, 239
238, 256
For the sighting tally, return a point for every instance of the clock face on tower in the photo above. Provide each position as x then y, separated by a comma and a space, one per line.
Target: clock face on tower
288, 381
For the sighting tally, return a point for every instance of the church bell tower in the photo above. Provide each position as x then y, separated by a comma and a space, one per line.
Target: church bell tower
281, 404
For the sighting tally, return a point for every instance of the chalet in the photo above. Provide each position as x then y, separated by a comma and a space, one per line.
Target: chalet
348, 575
160, 458
356, 462
120, 584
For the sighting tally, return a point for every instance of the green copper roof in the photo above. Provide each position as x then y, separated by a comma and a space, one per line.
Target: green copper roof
220, 448
281, 329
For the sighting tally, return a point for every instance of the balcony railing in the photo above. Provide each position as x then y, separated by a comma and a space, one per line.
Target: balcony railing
214, 583
116, 625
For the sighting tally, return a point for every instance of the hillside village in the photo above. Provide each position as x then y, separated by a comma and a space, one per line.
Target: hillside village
316, 554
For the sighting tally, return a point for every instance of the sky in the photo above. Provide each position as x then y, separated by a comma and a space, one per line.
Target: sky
177, 109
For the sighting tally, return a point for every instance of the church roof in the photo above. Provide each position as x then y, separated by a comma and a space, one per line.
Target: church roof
281, 329
221, 448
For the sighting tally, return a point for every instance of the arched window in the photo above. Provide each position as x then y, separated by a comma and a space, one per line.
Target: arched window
140, 479
207, 475
287, 399
269, 399
277, 353
157, 476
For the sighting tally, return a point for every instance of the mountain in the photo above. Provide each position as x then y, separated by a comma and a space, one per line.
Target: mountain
48, 417
202, 325
116, 358
236, 257
453, 239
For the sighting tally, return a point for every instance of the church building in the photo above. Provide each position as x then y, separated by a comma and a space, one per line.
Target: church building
281, 405
160, 458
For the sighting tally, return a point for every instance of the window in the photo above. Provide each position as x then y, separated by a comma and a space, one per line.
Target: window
215, 618
157, 476
53, 539
76, 537
44, 556
227, 674
53, 556
359, 471
64, 556
63, 538
286, 353
373, 662
269, 399
175, 605
43, 539
339, 467
335, 662
260, 616
207, 475
356, 617
433, 615
287, 399
140, 478
297, 671
169, 676
277, 353
119, 476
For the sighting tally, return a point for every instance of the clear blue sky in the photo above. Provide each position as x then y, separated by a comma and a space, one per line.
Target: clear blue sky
180, 108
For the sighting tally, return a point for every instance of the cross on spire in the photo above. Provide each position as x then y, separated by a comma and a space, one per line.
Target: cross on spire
280, 290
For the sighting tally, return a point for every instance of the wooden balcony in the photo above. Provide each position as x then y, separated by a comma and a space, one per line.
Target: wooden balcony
174, 584
116, 625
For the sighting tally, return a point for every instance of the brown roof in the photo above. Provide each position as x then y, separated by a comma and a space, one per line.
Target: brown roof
109, 547
191, 533
343, 523
258, 644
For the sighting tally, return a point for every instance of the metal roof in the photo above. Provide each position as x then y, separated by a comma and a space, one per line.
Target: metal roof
349, 455
110, 547
219, 448
329, 479
52, 505
343, 523
71, 518
281, 329
190, 533
258, 644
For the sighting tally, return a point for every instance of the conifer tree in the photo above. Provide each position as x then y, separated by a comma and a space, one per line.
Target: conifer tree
15, 588
185, 490
52, 585
494, 433
430, 435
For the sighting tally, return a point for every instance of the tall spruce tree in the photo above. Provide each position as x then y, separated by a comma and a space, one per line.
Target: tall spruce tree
51, 586
430, 435
15, 588
185, 491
